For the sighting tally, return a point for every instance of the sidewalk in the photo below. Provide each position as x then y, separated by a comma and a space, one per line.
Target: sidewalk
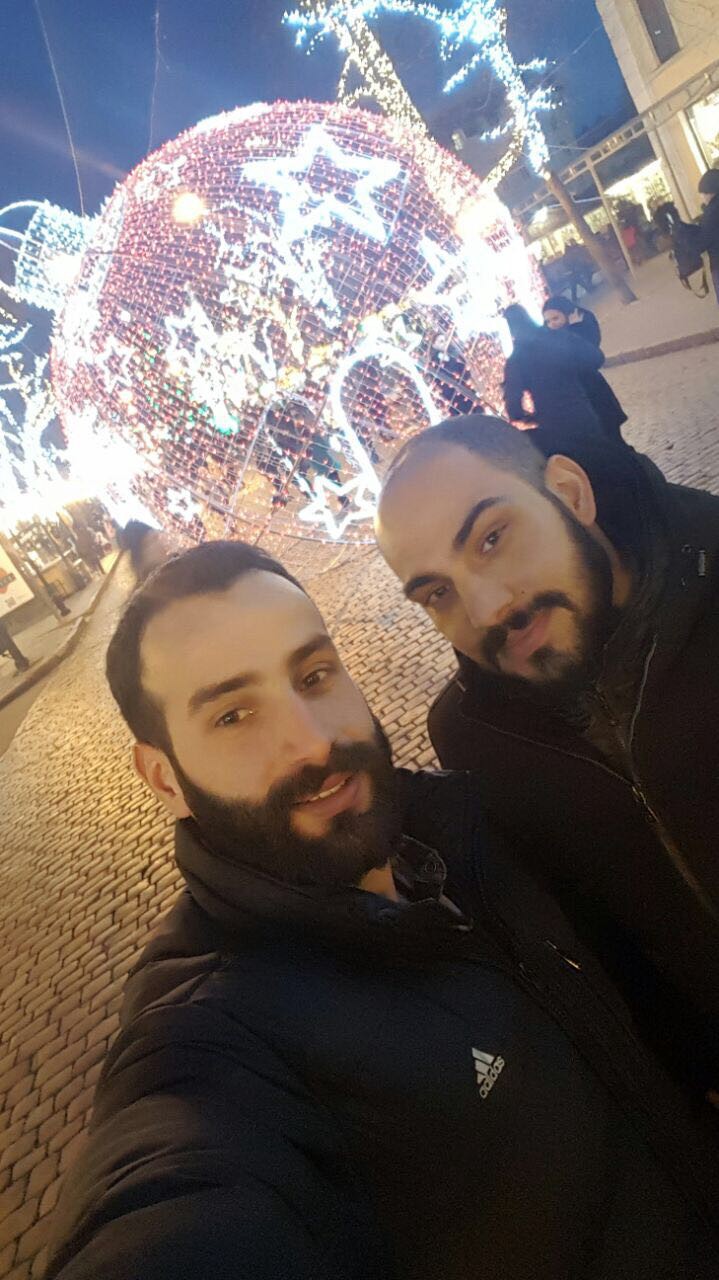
50, 640
665, 318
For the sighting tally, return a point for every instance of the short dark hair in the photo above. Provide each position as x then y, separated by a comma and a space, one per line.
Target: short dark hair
213, 566
501, 444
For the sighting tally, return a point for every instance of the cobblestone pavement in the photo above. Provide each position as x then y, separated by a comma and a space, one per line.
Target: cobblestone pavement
86, 854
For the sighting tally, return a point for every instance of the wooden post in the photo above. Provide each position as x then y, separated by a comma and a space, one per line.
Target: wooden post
597, 250
612, 217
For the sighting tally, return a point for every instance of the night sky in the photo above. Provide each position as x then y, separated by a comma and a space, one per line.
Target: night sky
215, 55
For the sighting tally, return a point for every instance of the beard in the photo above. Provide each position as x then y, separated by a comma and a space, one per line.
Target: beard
262, 837
561, 676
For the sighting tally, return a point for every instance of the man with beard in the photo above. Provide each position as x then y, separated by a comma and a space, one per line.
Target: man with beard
585, 619
363, 1043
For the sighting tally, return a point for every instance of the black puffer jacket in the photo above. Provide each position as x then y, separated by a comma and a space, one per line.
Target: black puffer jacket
635, 852
334, 1087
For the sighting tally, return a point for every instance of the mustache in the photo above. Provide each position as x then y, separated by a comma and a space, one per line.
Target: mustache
496, 637
351, 757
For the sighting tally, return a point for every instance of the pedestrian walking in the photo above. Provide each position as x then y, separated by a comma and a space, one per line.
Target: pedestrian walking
708, 239
363, 1045
9, 647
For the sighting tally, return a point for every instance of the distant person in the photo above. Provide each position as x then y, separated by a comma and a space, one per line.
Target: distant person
559, 313
88, 545
580, 268
686, 245
709, 225
8, 646
560, 371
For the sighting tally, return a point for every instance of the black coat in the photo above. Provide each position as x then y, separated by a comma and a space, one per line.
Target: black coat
708, 239
636, 859
314, 1086
553, 365
588, 327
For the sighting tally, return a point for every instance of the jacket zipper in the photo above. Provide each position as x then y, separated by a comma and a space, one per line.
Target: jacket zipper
635, 785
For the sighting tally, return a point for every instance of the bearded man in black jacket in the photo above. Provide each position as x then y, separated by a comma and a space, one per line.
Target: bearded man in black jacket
363, 1043
585, 616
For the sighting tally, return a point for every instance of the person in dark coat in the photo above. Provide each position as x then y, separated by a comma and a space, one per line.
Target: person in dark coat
88, 546
363, 1043
560, 313
584, 616
560, 370
8, 646
708, 239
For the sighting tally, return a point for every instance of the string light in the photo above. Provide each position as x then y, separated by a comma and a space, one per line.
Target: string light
481, 24
254, 367
364, 55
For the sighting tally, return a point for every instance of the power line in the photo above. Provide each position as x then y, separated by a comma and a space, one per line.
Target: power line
156, 75
60, 95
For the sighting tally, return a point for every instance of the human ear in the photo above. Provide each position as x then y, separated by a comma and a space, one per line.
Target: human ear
153, 766
570, 483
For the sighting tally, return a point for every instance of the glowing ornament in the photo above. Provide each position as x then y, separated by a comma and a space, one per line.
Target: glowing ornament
334, 283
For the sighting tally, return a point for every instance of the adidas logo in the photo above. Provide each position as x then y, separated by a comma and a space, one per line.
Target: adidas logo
488, 1070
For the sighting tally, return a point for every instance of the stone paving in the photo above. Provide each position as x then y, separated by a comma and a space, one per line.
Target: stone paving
86, 853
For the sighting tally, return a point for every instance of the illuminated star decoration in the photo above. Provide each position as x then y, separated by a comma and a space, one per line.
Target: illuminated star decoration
302, 209
479, 23
363, 489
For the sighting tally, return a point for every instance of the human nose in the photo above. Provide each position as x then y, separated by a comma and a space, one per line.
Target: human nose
485, 602
303, 737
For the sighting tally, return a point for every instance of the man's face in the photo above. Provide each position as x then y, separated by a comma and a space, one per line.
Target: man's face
274, 750
505, 571
555, 319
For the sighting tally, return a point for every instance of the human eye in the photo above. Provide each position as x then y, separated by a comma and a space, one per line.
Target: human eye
236, 716
317, 676
491, 540
437, 596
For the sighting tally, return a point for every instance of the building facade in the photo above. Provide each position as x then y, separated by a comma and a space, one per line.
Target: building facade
660, 45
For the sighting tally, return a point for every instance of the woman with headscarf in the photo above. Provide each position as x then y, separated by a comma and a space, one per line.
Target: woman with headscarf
560, 313
560, 371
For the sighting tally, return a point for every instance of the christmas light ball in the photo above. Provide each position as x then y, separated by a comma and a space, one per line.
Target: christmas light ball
271, 303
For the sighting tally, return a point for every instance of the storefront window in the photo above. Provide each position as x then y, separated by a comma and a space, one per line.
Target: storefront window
705, 119
659, 26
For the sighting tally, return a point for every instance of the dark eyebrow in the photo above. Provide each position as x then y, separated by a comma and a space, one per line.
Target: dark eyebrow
320, 641
423, 579
468, 524
211, 692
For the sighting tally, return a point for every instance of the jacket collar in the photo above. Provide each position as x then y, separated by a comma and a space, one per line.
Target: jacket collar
248, 904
